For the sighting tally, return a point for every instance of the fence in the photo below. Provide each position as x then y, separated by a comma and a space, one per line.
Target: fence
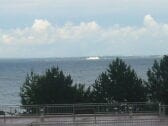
118, 114
163, 110
71, 109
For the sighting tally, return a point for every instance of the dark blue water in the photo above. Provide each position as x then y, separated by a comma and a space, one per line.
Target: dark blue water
13, 71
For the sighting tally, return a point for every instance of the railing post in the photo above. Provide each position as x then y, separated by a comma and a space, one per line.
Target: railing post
42, 114
73, 106
4, 118
94, 115
130, 111
160, 109
164, 110
116, 111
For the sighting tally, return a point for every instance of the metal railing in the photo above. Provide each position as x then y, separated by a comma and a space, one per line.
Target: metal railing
91, 114
163, 110
91, 108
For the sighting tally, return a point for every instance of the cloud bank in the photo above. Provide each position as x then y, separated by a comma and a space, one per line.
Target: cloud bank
86, 38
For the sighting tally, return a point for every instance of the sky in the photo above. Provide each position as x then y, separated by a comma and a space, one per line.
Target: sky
76, 28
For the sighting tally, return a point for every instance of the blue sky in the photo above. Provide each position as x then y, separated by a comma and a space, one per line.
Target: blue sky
72, 28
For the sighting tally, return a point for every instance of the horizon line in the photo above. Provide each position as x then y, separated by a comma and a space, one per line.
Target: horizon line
53, 57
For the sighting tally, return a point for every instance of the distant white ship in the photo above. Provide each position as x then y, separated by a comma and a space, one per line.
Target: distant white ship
93, 58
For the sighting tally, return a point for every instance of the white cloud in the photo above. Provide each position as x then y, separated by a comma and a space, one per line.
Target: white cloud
43, 32
149, 21
41, 25
90, 38
7, 39
83, 30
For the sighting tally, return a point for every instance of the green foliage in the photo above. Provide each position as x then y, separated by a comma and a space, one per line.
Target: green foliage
81, 94
119, 84
51, 88
158, 81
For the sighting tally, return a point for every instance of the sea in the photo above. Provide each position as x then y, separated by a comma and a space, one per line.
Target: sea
83, 70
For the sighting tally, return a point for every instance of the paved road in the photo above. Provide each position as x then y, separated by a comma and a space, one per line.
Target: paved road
85, 120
